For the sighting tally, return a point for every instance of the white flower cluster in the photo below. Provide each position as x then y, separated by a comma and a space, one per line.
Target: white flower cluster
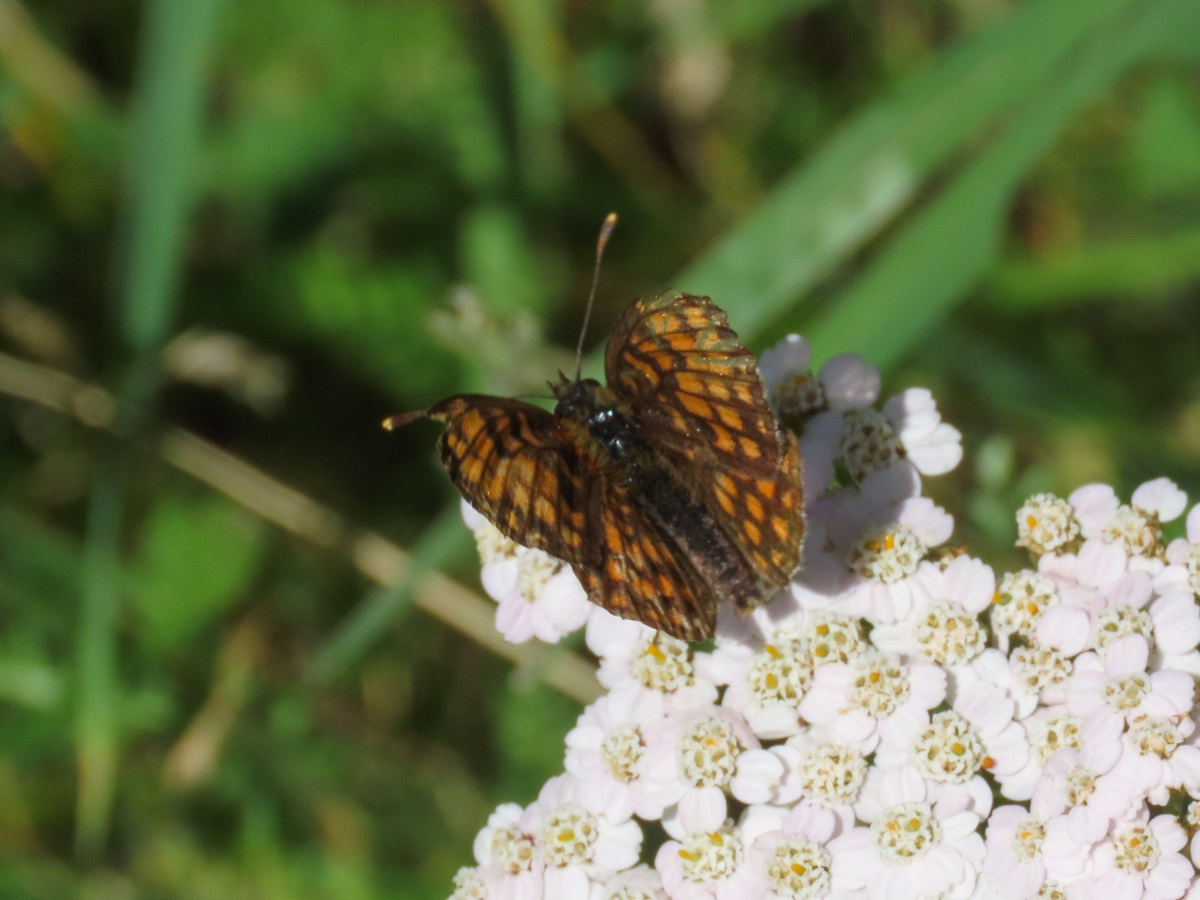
904, 724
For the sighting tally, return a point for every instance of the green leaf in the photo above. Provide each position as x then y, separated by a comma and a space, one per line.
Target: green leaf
196, 559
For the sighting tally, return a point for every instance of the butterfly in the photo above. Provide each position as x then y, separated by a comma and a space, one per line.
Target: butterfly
667, 490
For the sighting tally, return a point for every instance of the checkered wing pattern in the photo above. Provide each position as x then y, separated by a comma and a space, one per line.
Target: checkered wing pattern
523, 468
531, 474
695, 392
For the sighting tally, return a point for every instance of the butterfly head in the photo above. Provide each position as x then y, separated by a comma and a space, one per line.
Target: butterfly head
578, 399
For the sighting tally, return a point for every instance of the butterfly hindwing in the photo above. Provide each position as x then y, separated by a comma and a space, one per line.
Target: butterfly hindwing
691, 384
639, 573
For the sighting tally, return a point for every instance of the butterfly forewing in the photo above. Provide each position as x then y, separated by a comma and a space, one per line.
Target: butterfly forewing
523, 468
532, 475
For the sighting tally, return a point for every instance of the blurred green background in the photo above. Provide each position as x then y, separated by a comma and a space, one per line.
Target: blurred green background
234, 236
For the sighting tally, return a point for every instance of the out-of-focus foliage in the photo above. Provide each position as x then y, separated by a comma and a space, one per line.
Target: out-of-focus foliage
272, 223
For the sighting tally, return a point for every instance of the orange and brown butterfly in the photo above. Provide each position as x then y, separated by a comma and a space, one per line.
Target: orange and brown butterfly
667, 490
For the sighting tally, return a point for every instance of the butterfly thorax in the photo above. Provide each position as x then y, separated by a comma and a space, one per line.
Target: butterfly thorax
658, 487
597, 408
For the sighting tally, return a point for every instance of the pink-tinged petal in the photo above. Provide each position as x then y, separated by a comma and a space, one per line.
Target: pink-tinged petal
1129, 653
619, 848
1067, 630
890, 883
1193, 524
855, 728
959, 825
854, 861
758, 774
1066, 860
702, 809
985, 706
759, 819
1177, 688
902, 785
789, 356
773, 721
564, 883
1160, 497
1132, 589
815, 822
499, 578
516, 618
1176, 622
668, 865
942, 867
971, 583
849, 382
901, 727
928, 521
1094, 505
1171, 837
1084, 693
913, 410
1100, 564
1170, 878
927, 684
938, 453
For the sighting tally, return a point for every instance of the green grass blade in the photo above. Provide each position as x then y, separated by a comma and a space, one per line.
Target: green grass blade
946, 249
166, 126
831, 205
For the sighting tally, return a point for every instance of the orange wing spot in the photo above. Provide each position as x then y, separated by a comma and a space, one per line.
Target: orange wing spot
780, 527
644, 588
690, 383
574, 538
666, 586
615, 574
681, 343
546, 485
754, 505
665, 322
753, 532
766, 488
544, 509
718, 390
471, 423
696, 406
472, 470
744, 394
750, 448
724, 440
730, 417
636, 361
612, 537
725, 483
725, 501
520, 494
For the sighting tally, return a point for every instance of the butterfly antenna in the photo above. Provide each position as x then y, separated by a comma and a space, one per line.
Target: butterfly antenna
606, 230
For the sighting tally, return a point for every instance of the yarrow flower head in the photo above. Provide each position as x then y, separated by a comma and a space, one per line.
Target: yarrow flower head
905, 721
